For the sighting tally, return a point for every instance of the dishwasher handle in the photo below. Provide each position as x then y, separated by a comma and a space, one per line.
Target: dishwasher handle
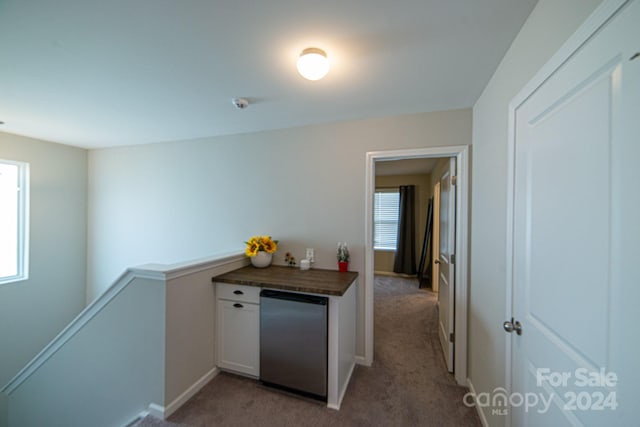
289, 296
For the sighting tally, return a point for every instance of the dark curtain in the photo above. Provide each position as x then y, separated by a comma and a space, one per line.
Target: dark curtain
405, 260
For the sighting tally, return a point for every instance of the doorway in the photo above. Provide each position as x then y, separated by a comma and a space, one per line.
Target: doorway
460, 242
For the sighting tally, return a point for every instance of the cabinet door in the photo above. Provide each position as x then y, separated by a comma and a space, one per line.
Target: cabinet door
239, 336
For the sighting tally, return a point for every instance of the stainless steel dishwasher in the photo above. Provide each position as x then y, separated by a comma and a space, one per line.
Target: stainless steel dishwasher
293, 342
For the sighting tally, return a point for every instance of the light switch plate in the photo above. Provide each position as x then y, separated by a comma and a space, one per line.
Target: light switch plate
310, 254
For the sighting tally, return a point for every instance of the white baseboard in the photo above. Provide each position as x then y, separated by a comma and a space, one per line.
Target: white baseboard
360, 360
139, 417
156, 410
164, 412
483, 418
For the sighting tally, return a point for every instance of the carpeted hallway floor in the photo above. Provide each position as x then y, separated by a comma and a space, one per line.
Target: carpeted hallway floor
408, 384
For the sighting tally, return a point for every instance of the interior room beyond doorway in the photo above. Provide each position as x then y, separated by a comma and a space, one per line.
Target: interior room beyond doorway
423, 174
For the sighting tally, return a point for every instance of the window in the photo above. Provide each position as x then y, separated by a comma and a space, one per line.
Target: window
14, 220
385, 219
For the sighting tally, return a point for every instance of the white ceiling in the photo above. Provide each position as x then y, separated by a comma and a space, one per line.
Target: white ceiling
105, 73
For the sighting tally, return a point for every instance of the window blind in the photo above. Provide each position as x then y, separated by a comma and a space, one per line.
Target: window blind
385, 219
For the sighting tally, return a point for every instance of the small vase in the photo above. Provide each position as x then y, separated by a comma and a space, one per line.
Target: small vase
343, 266
261, 259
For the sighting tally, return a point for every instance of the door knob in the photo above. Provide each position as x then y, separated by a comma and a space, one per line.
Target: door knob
510, 326
437, 261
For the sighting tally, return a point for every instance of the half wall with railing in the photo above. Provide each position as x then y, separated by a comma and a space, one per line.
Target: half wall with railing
146, 345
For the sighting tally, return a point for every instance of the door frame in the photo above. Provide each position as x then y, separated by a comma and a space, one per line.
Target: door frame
588, 28
461, 153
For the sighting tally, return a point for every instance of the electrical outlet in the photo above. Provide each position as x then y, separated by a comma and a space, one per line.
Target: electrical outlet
310, 254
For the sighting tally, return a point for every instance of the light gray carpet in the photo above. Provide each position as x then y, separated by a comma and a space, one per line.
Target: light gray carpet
407, 385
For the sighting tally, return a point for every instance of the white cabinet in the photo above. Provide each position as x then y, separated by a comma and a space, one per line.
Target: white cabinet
238, 328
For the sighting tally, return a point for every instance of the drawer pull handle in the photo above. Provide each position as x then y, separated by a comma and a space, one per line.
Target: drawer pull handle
238, 292
236, 305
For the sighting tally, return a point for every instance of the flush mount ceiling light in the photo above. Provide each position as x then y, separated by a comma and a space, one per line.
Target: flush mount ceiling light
313, 63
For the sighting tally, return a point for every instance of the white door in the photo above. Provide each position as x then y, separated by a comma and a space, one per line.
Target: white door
446, 285
576, 236
435, 276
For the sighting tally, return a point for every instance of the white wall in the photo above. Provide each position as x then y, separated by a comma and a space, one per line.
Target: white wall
548, 26
304, 186
106, 373
32, 312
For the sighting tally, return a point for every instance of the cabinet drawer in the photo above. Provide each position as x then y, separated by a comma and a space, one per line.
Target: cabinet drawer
238, 292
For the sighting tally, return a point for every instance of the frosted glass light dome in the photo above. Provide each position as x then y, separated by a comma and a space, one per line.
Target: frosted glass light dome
313, 64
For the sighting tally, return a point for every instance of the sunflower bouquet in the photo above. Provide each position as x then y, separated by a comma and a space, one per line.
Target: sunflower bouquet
260, 244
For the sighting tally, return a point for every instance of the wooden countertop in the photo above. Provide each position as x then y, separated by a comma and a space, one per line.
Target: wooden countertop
314, 281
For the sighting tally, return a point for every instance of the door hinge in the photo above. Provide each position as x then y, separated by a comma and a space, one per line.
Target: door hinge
454, 180
452, 259
452, 337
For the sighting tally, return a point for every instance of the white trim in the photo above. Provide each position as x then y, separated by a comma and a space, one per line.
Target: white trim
333, 352
174, 271
481, 415
370, 187
360, 360
144, 274
461, 153
156, 410
188, 393
587, 29
138, 417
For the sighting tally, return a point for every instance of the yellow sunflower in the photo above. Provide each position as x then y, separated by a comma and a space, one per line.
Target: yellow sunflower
260, 243
252, 248
269, 245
